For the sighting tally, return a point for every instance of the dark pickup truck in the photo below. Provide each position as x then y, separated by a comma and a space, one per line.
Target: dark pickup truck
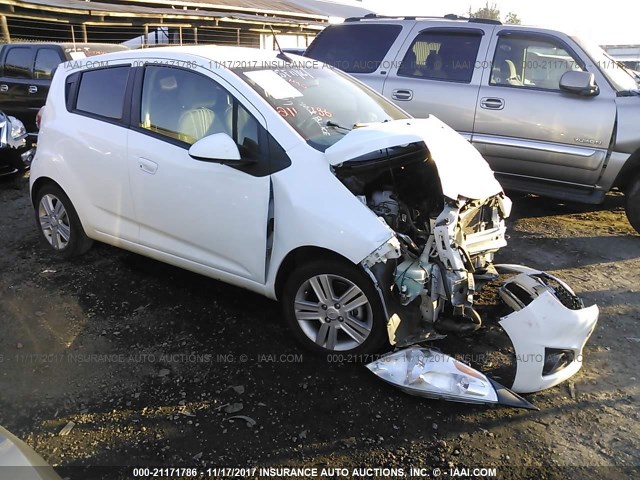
26, 70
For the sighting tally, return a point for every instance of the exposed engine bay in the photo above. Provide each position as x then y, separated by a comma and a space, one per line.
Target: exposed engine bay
447, 246
442, 254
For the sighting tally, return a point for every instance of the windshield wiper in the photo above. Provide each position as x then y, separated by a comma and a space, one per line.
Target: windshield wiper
337, 125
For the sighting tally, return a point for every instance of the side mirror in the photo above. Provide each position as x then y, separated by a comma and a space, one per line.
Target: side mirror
218, 147
580, 83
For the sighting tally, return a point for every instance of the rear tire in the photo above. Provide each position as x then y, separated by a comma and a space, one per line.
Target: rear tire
333, 307
632, 206
59, 224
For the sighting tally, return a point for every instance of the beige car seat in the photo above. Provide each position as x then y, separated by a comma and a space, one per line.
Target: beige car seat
209, 113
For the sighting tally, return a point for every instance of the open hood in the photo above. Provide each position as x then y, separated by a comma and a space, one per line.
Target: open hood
461, 168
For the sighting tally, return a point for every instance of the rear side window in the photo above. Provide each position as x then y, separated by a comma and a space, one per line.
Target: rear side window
354, 48
18, 62
443, 56
101, 92
47, 60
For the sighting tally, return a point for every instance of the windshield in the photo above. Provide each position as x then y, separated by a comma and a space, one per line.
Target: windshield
621, 78
322, 104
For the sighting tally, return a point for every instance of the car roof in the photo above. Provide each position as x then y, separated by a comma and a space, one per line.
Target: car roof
229, 57
444, 21
69, 45
451, 18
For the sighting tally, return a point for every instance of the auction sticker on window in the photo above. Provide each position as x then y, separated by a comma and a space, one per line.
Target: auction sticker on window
273, 84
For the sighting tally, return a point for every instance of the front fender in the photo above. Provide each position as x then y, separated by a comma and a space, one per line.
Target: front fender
313, 209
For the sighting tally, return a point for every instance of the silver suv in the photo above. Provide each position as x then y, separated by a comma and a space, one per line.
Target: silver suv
552, 114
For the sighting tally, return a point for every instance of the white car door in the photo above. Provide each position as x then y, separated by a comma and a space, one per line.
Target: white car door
201, 212
94, 142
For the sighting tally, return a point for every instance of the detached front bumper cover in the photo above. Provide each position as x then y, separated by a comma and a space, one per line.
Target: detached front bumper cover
549, 328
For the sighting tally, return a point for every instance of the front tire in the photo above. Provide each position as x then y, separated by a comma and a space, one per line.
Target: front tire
332, 306
632, 206
59, 223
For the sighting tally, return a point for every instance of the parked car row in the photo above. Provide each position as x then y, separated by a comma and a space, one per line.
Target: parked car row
300, 182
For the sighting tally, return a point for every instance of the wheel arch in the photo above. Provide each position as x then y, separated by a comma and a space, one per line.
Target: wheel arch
299, 256
41, 182
629, 171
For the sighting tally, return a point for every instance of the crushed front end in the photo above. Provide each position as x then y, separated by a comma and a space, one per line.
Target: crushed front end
454, 263
448, 213
446, 245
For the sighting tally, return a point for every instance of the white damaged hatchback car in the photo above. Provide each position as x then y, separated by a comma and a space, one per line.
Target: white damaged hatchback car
288, 178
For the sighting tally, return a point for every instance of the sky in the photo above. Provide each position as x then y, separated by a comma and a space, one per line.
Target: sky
604, 22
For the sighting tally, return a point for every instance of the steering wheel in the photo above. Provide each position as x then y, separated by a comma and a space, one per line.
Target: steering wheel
309, 123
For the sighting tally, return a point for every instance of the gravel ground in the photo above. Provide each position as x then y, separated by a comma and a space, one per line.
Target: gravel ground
152, 364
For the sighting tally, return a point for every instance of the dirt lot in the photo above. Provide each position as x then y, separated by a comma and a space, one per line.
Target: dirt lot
151, 363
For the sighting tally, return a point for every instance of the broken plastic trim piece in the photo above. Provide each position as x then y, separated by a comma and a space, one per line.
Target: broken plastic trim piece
388, 250
509, 398
428, 373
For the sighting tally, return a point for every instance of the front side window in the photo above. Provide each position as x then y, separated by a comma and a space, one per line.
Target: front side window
354, 48
47, 60
441, 56
101, 92
18, 62
321, 104
530, 63
186, 106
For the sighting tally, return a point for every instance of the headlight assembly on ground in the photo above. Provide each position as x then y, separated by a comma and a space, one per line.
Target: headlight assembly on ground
429, 373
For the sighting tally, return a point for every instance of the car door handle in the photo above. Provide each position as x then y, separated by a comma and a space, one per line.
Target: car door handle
33, 89
403, 95
4, 88
147, 166
492, 103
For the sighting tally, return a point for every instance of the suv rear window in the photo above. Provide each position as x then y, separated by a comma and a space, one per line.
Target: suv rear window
101, 92
354, 48
47, 59
18, 62
444, 56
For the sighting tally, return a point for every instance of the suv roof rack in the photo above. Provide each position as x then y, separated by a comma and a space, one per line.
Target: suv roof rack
488, 21
449, 16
